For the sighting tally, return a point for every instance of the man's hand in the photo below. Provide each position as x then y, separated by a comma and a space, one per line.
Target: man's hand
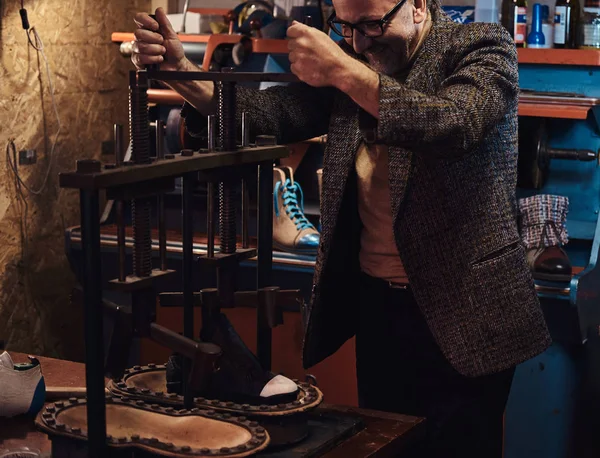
316, 59
156, 43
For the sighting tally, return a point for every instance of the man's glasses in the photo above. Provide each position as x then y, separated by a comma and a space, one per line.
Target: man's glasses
371, 29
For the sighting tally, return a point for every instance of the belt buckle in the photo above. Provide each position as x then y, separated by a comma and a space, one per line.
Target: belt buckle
393, 285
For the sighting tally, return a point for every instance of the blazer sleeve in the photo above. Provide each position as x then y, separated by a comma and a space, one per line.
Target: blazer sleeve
291, 113
480, 91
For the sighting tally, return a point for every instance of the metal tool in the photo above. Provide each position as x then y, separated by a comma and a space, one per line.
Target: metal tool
141, 180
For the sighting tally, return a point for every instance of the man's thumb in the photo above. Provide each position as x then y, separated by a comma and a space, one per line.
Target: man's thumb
165, 25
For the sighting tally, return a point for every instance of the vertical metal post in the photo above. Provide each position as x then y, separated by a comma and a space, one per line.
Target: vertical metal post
265, 258
245, 130
210, 311
92, 299
245, 197
162, 230
210, 219
212, 129
210, 207
118, 146
160, 131
121, 240
187, 225
245, 214
118, 142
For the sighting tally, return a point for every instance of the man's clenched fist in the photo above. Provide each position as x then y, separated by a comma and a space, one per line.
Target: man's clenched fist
315, 58
156, 43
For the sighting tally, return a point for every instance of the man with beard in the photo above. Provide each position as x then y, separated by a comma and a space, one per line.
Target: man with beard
420, 254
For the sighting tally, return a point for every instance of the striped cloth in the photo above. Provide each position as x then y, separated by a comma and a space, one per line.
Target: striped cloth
543, 219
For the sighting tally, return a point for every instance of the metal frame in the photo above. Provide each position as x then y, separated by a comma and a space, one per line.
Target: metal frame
135, 180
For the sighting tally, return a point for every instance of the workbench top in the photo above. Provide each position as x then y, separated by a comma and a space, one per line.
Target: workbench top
384, 434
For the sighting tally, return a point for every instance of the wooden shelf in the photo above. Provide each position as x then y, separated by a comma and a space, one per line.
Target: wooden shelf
553, 111
587, 57
556, 105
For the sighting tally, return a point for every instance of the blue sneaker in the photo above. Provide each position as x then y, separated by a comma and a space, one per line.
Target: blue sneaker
292, 231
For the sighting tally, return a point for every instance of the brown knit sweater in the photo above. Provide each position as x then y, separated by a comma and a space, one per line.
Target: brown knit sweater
379, 255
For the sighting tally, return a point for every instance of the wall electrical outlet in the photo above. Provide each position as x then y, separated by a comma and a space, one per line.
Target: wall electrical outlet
27, 157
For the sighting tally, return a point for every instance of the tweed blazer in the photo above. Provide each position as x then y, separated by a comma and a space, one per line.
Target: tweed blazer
451, 129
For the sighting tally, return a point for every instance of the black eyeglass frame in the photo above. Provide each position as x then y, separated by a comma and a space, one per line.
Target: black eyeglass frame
381, 22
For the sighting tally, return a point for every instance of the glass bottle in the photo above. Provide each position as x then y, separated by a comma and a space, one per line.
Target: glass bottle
514, 19
590, 25
567, 17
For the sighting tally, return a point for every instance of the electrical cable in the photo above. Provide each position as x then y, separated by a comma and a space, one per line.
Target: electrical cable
39, 47
21, 198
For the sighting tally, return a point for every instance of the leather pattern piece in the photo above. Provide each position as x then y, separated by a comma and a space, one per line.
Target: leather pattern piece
163, 431
149, 383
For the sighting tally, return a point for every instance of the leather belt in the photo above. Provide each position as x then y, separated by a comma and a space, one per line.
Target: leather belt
403, 286
380, 283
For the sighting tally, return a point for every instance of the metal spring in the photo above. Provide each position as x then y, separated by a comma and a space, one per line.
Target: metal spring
227, 220
142, 238
227, 141
139, 124
226, 115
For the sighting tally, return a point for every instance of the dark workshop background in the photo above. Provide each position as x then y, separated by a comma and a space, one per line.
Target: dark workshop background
90, 79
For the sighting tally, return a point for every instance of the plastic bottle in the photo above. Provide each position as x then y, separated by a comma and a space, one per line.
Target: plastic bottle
536, 38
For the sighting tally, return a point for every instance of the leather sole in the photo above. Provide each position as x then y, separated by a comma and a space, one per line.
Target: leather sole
286, 423
163, 431
309, 251
552, 277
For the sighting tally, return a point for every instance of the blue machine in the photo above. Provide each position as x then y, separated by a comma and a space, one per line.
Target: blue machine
552, 408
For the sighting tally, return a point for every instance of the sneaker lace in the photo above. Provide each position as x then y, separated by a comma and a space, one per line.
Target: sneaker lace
293, 208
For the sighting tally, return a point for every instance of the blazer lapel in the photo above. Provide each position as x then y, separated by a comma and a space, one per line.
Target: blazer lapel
338, 162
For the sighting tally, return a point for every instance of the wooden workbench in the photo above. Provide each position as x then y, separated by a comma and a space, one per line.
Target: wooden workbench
384, 434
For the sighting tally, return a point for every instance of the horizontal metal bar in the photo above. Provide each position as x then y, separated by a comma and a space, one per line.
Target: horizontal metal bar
285, 298
199, 249
133, 283
580, 101
175, 299
170, 168
240, 77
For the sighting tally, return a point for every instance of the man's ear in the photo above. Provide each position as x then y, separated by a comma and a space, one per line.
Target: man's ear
420, 11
